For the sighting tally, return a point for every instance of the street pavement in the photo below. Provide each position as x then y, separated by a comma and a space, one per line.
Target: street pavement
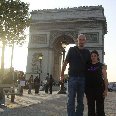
48, 105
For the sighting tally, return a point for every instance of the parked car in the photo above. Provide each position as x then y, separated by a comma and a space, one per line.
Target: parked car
112, 86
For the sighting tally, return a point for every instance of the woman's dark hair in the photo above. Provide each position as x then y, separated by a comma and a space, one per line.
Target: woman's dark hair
95, 52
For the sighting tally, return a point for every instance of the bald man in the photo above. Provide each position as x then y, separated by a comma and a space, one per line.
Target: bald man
77, 58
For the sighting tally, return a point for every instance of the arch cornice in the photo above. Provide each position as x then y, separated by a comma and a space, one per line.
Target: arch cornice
55, 34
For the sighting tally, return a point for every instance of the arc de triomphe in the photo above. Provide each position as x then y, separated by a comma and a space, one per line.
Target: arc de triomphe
50, 27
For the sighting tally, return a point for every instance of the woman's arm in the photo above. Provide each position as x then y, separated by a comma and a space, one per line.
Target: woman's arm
104, 72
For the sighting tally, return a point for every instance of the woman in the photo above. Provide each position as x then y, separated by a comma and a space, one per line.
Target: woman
96, 86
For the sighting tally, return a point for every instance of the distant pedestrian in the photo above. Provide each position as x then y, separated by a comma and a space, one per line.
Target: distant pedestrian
51, 80
37, 84
21, 79
2, 97
47, 83
30, 84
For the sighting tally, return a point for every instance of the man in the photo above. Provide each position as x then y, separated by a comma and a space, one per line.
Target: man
77, 57
47, 83
51, 80
37, 84
30, 84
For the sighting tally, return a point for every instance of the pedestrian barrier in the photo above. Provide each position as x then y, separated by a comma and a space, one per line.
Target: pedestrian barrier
9, 89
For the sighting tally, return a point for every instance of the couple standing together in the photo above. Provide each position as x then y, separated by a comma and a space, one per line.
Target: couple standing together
86, 75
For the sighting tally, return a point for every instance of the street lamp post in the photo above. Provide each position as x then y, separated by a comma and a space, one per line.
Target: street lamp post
40, 61
62, 89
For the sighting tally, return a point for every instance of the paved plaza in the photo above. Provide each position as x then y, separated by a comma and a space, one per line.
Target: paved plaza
48, 105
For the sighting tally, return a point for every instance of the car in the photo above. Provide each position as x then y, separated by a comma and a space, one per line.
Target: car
112, 86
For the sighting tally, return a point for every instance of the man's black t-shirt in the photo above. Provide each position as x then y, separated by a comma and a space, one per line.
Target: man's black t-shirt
76, 62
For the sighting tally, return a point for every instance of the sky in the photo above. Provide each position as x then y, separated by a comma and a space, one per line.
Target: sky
20, 53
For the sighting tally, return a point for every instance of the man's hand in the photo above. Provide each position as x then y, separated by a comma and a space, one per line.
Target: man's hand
62, 78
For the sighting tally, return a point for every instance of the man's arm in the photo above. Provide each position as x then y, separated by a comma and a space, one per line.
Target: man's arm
62, 71
66, 61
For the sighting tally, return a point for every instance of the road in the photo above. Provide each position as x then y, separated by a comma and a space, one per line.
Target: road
48, 105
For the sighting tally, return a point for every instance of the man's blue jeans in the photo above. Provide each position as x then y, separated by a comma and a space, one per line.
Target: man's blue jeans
76, 87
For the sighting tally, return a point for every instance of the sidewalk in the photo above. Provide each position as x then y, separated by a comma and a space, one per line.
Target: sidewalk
48, 105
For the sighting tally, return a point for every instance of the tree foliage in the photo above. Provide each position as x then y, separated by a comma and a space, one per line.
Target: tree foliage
14, 19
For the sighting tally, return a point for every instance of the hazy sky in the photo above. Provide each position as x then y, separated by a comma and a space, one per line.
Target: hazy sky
109, 10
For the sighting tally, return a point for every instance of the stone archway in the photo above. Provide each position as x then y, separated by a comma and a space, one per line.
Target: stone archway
50, 26
57, 48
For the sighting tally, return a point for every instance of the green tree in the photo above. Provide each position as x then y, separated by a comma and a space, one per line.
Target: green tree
14, 19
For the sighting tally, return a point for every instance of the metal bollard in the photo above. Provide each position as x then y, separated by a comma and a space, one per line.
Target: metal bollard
12, 98
12, 95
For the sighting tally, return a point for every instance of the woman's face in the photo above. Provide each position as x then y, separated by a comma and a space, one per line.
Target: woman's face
94, 57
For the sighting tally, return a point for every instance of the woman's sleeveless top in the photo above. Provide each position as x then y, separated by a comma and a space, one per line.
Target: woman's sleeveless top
94, 77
